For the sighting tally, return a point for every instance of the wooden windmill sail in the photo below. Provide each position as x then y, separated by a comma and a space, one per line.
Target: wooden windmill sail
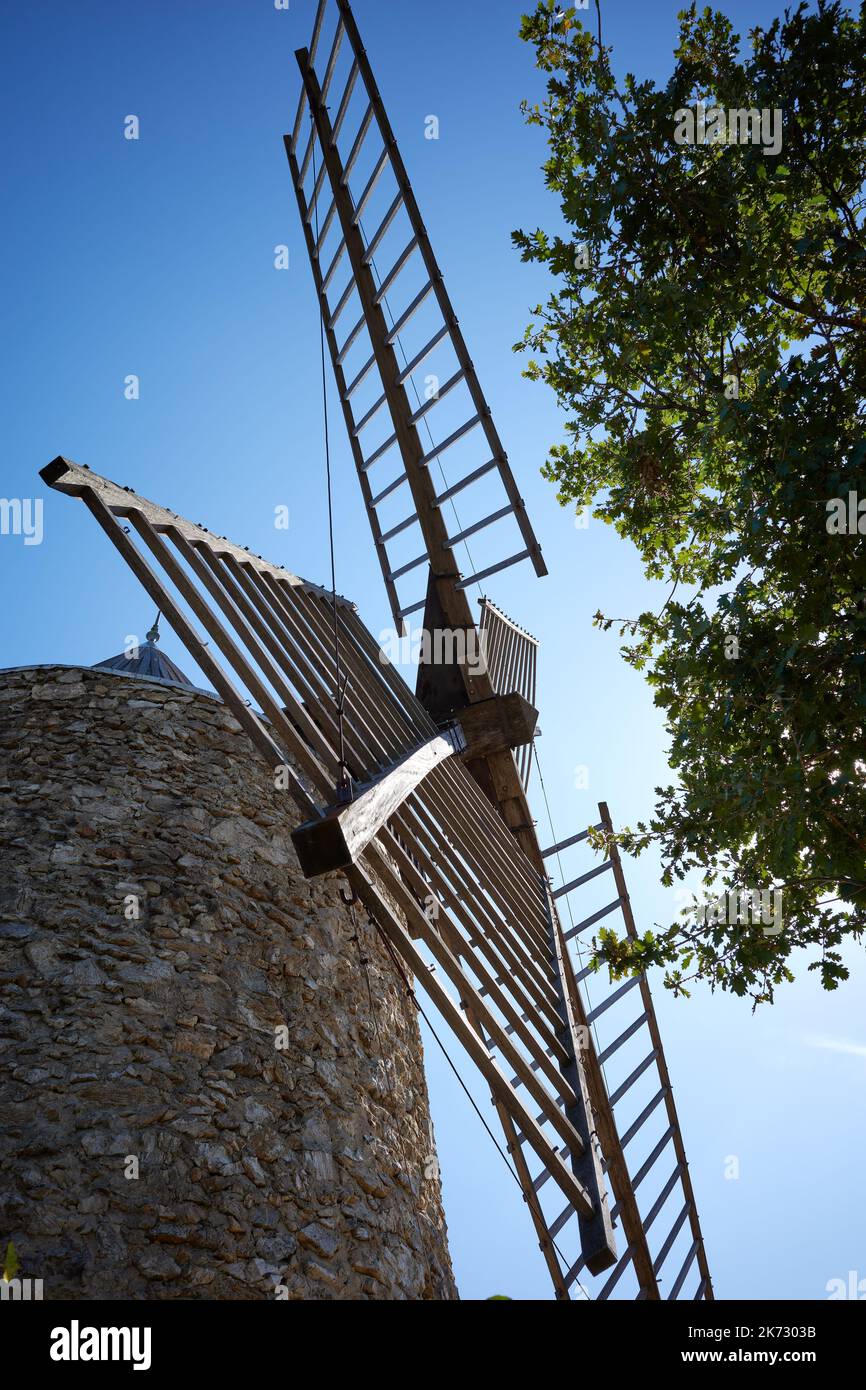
436, 837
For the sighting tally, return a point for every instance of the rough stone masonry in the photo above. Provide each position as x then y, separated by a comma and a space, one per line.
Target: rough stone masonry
198, 1100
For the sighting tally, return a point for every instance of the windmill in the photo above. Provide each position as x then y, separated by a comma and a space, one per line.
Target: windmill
419, 799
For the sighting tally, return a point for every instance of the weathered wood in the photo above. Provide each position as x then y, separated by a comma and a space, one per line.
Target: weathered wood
430, 519
652, 1025
497, 725
343, 391
495, 1031
499, 996
65, 476
262, 739
460, 349
369, 892
597, 1239
340, 835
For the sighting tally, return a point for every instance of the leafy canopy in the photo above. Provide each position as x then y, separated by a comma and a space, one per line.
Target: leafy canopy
705, 335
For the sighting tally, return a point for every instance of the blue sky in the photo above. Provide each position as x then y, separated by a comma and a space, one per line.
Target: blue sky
156, 257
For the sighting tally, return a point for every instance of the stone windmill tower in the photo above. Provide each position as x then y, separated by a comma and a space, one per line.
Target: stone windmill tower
223, 908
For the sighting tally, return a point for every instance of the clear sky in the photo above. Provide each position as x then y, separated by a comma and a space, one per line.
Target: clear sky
156, 257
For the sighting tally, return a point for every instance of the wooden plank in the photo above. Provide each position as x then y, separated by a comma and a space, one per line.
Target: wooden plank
368, 738
245, 620
623, 1038
566, 844
466, 950
492, 941
389, 727
671, 1237
546, 1237
662, 1197
318, 774
687, 1264
626, 1208
622, 1266
649, 1162
314, 45
499, 868
642, 1118
339, 836
613, 998
630, 1080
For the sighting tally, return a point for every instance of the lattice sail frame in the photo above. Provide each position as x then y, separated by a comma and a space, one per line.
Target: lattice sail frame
377, 353
495, 934
511, 655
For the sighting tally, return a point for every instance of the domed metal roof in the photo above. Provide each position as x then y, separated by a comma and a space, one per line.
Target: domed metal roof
148, 660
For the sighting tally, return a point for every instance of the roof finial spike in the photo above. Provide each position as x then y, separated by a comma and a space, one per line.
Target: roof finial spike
153, 635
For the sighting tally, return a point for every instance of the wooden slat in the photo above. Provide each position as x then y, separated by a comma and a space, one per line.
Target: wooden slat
559, 1084
671, 1237
232, 653
632, 1078
451, 966
75, 481
611, 999
388, 280
642, 1118
583, 878
662, 1197
595, 917
501, 950
687, 1264
566, 844
649, 1162
623, 1038
272, 752
596, 1233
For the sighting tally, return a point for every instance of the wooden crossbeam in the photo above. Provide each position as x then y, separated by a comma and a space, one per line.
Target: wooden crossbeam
497, 724
76, 480
337, 838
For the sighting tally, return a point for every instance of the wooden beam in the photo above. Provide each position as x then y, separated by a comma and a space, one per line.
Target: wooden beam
340, 835
76, 481
497, 725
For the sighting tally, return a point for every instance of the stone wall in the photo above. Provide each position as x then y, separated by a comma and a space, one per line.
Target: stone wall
221, 1045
